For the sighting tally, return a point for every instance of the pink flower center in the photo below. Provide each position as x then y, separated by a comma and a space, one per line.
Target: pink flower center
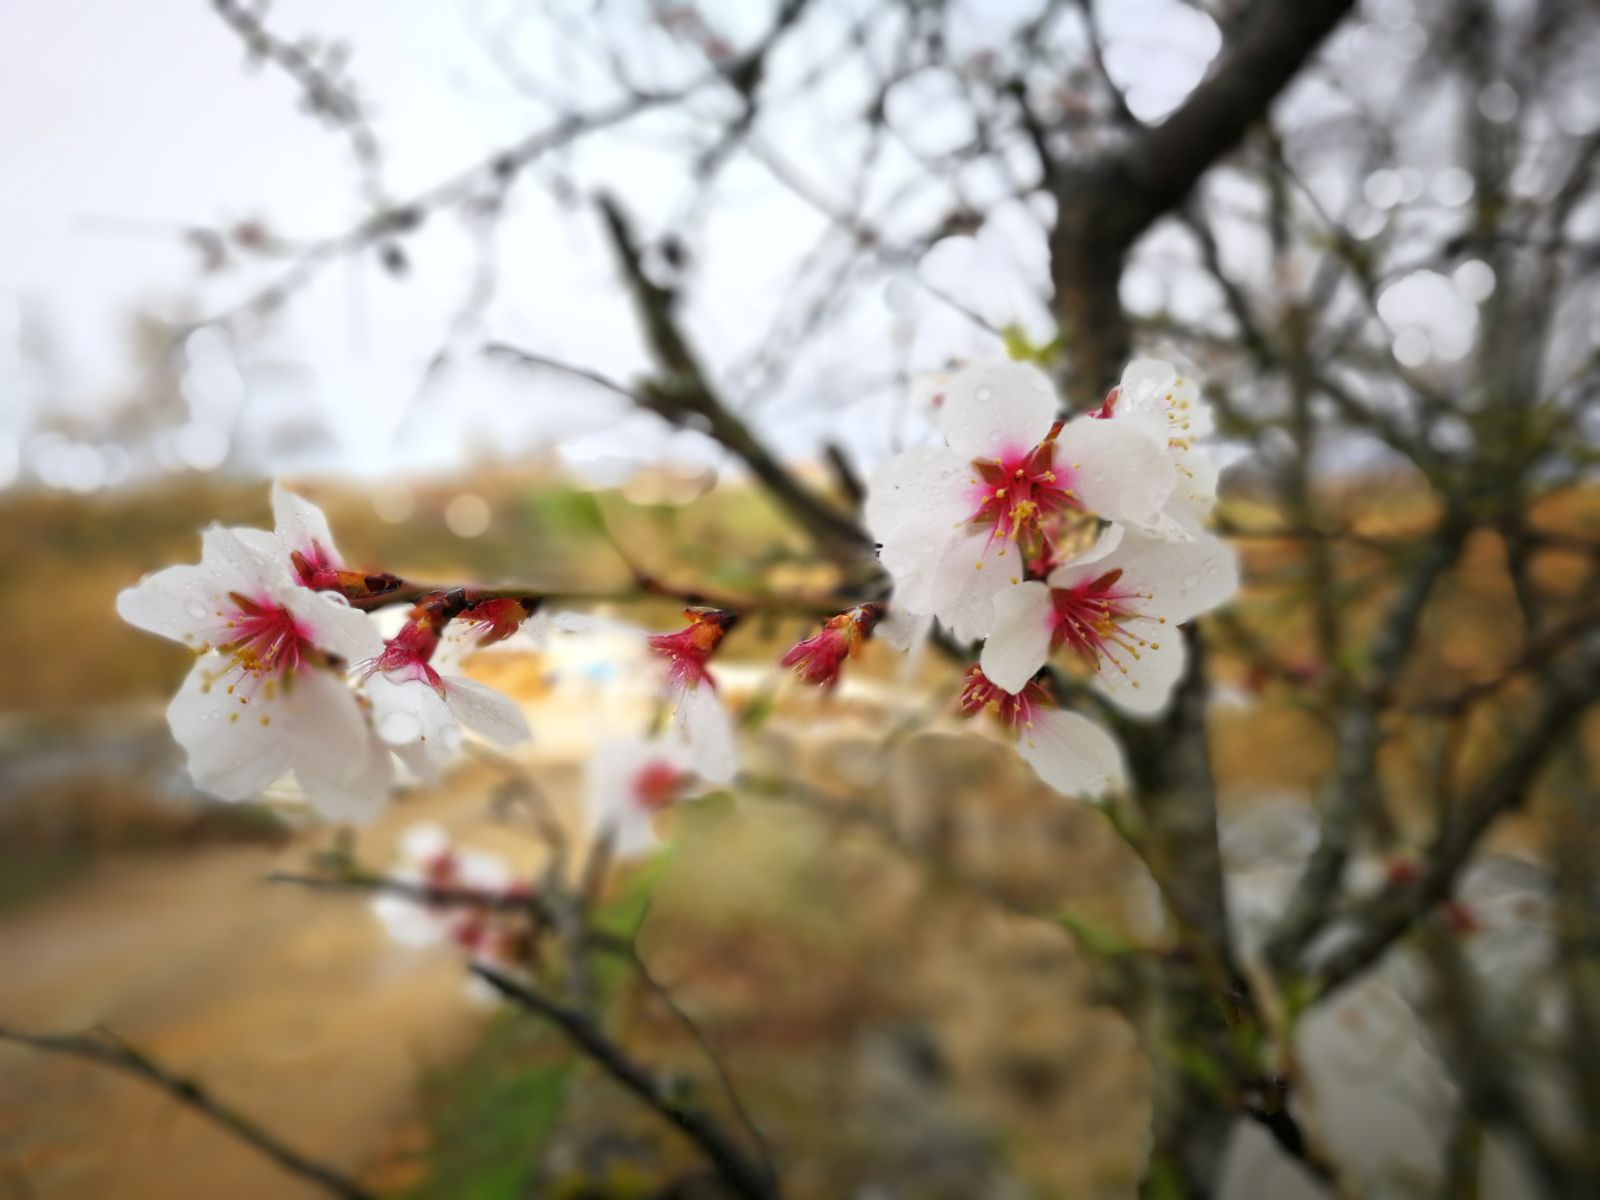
657, 784
264, 639
1014, 495
1016, 710
1092, 618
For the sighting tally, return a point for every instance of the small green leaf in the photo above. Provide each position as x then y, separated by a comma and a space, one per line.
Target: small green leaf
1019, 347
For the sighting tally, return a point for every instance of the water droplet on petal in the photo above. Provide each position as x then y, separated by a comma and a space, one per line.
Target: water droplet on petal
196, 610
1190, 580
984, 394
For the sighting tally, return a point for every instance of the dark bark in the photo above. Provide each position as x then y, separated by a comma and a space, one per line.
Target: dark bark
1103, 209
1106, 206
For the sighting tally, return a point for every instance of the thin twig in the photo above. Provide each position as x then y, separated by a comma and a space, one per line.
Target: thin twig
112, 1051
724, 1079
744, 1177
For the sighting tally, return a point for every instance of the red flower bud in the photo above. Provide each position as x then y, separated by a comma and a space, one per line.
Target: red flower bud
688, 650
410, 651
819, 658
499, 618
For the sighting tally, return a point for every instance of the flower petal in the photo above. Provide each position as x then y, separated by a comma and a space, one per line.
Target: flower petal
414, 757
973, 569
903, 629
1144, 377
333, 625
485, 711
235, 750
359, 798
409, 714
1143, 684
927, 484
1182, 579
1019, 641
1072, 754
302, 526
708, 730
1119, 470
241, 562
181, 603
328, 737
992, 409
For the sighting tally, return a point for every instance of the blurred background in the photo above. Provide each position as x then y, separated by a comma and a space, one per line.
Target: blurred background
550, 291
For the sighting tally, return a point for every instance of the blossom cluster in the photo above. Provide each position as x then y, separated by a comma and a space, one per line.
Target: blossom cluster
1081, 540
1075, 542
290, 675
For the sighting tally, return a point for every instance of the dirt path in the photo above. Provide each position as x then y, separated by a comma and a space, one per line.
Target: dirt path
292, 1007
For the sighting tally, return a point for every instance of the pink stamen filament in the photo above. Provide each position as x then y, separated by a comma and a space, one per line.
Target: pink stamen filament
1016, 710
1016, 493
1093, 618
265, 646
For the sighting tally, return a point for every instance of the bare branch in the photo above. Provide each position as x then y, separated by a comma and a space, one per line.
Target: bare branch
1157, 169
745, 1177
111, 1051
1354, 790
1378, 922
685, 394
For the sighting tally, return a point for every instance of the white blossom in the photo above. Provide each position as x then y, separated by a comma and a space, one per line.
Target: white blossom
267, 693
628, 781
1117, 608
1069, 752
956, 523
420, 713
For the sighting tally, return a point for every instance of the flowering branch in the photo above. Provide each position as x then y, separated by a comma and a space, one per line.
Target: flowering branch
112, 1051
515, 903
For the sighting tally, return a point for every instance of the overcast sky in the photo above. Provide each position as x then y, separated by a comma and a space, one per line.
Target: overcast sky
122, 123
